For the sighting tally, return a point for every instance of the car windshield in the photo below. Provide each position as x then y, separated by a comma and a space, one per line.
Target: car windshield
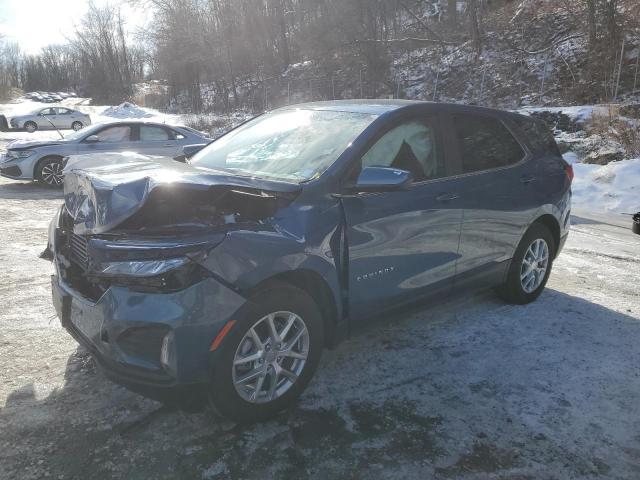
292, 145
85, 132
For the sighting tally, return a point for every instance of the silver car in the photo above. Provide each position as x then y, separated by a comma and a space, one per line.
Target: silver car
44, 160
49, 118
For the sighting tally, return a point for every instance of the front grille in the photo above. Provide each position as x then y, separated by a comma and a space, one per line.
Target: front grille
79, 252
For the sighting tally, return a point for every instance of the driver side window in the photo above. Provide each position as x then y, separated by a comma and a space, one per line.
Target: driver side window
410, 146
114, 134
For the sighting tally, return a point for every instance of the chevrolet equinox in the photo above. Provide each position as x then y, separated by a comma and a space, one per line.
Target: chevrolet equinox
225, 277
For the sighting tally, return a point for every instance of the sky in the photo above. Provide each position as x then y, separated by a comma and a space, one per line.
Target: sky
34, 24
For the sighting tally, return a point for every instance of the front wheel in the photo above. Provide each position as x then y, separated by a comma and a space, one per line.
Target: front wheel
530, 267
49, 172
269, 356
77, 126
30, 127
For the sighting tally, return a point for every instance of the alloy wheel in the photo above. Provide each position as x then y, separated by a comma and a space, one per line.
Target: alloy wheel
534, 265
271, 357
52, 174
76, 126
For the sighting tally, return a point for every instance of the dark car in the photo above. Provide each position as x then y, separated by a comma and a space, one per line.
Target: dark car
226, 277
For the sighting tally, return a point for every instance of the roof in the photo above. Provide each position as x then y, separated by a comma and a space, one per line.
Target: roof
369, 106
382, 106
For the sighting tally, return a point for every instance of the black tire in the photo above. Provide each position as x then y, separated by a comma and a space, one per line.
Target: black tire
276, 298
77, 126
31, 126
44, 170
512, 291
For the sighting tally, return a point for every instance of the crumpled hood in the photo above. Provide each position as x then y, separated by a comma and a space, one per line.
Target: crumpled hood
99, 198
25, 144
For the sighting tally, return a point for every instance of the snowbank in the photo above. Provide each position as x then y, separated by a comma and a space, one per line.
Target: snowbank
608, 188
126, 110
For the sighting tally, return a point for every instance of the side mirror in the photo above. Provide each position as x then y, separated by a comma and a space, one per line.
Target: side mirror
382, 179
189, 151
92, 139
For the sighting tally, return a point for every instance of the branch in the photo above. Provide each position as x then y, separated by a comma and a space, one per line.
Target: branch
403, 40
424, 25
546, 49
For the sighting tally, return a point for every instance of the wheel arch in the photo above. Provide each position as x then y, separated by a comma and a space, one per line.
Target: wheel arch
553, 225
317, 288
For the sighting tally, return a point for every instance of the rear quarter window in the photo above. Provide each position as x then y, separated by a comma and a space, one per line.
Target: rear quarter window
485, 143
538, 134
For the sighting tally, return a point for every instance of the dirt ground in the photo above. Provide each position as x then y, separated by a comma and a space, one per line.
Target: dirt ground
470, 388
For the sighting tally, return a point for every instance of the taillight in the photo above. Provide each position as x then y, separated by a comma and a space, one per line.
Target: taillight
569, 169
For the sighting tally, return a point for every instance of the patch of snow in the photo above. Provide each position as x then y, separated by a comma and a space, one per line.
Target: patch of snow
218, 468
571, 157
126, 110
606, 188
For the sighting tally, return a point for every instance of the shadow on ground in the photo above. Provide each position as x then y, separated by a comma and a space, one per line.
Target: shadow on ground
28, 191
468, 389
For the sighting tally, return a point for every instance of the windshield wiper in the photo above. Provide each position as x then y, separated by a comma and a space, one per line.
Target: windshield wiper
59, 133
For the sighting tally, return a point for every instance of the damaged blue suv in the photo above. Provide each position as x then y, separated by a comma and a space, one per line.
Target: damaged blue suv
225, 277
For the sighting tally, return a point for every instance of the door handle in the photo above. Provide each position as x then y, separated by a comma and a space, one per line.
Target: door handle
169, 145
447, 197
527, 179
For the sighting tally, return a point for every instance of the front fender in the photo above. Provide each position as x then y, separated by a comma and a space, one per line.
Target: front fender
245, 259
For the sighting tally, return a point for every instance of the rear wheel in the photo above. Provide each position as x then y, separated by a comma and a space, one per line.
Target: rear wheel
77, 125
530, 267
30, 127
269, 356
49, 172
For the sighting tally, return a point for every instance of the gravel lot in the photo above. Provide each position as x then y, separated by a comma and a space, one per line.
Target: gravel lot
470, 388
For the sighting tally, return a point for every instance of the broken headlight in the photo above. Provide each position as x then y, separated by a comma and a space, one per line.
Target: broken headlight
160, 275
145, 268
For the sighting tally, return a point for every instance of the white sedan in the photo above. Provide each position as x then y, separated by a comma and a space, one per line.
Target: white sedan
51, 118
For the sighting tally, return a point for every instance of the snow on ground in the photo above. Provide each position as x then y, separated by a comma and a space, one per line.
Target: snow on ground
606, 188
126, 110
465, 388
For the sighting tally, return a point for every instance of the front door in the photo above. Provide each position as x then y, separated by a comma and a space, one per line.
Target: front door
403, 244
47, 119
115, 138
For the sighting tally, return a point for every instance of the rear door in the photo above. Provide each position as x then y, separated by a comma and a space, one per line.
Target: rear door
157, 140
403, 244
496, 178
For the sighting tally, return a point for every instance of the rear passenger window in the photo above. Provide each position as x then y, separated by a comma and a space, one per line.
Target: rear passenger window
485, 143
153, 134
538, 134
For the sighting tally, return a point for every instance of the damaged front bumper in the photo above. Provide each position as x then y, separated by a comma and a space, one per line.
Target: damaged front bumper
126, 332
155, 341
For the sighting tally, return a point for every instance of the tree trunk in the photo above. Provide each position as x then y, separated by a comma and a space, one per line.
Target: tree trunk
452, 13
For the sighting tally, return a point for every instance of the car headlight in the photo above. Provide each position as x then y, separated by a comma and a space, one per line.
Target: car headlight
19, 153
141, 269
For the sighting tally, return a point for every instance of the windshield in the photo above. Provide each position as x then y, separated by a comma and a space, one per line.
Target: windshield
84, 132
293, 145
